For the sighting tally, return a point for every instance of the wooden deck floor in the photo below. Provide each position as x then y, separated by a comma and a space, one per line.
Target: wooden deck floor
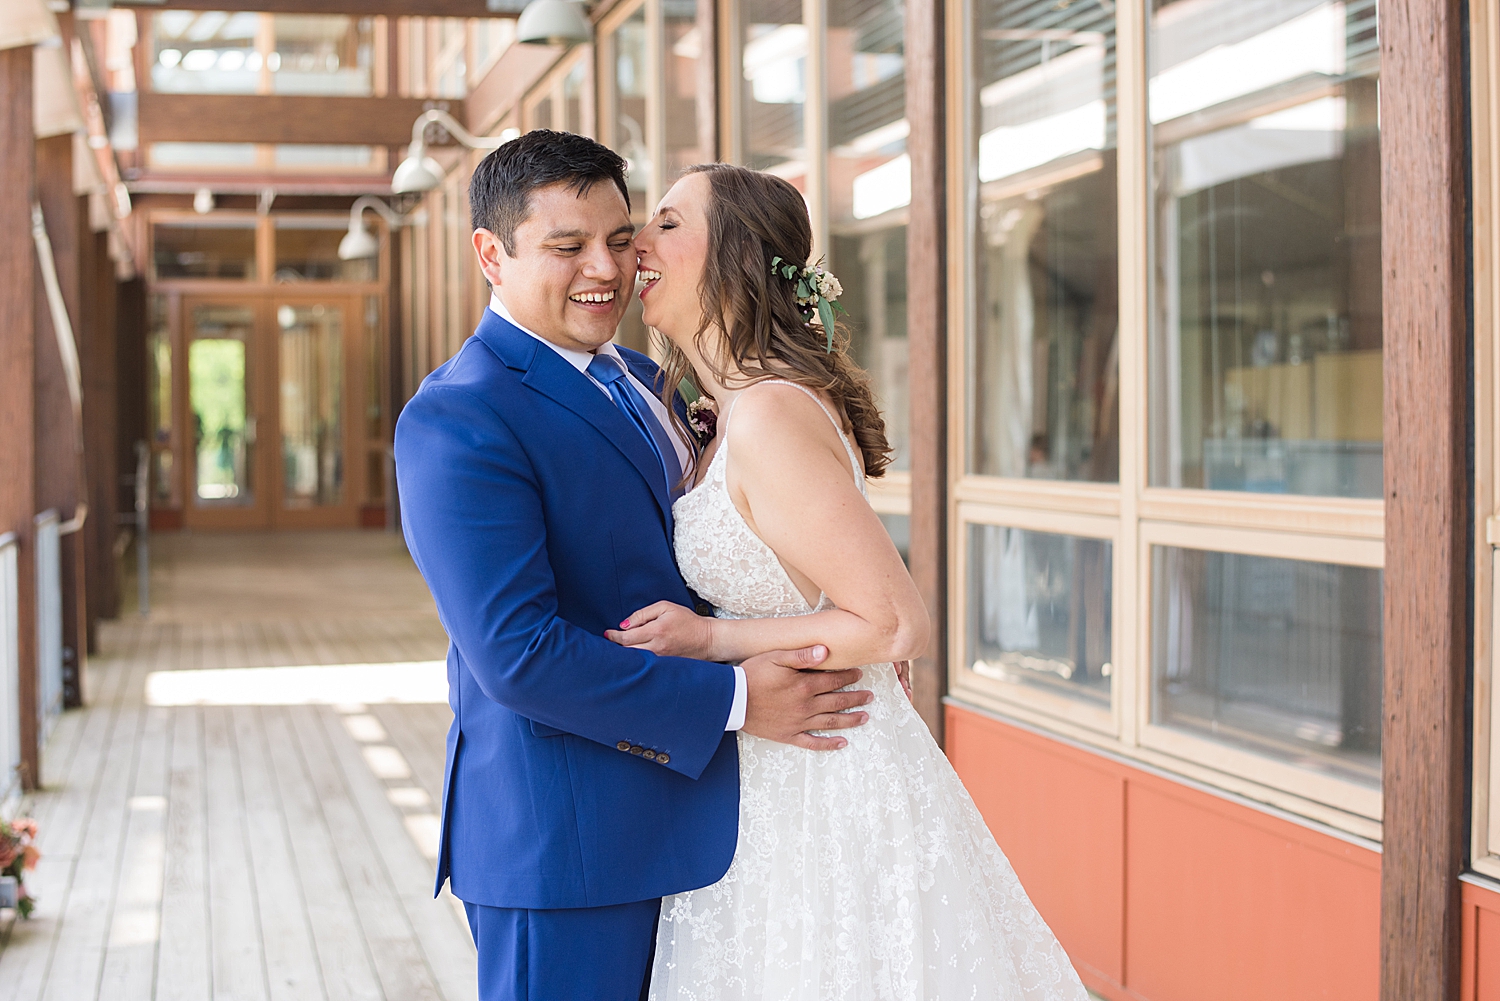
238, 813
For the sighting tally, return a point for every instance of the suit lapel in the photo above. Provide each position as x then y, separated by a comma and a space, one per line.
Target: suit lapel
549, 373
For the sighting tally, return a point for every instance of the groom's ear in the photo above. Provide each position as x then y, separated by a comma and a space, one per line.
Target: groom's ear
490, 251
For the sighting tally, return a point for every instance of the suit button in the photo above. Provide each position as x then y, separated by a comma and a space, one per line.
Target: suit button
637, 750
649, 755
662, 757
623, 745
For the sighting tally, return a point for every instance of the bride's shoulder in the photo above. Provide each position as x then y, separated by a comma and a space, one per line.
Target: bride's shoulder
777, 418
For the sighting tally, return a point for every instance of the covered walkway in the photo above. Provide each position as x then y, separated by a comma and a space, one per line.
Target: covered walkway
247, 807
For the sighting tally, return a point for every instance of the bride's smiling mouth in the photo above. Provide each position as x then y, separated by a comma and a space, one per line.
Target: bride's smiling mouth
595, 301
648, 278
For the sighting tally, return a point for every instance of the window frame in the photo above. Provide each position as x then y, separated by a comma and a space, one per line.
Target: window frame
1326, 529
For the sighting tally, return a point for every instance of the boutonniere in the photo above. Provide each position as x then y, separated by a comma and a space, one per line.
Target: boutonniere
703, 419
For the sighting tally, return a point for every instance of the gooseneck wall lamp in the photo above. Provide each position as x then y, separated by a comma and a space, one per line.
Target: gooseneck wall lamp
420, 172
359, 242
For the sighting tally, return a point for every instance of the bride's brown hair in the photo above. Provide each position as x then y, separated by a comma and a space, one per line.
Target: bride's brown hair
753, 217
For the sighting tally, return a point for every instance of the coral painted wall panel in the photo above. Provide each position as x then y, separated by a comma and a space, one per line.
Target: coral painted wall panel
1059, 818
1163, 892
1481, 946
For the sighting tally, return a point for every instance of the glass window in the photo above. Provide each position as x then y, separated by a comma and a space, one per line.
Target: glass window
690, 88
219, 376
491, 36
315, 156
323, 54
191, 155
625, 116
308, 250
206, 52
1040, 611
1043, 356
869, 183
312, 404
572, 98
1266, 320
899, 527
224, 248
1279, 656
159, 397
773, 61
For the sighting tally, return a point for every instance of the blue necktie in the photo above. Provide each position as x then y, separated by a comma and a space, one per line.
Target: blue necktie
611, 374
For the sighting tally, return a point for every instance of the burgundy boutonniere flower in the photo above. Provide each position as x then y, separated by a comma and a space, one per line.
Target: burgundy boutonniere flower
703, 419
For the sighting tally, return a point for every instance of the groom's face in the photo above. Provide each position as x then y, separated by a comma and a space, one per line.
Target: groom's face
574, 265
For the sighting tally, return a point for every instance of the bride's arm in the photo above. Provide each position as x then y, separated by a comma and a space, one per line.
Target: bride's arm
792, 479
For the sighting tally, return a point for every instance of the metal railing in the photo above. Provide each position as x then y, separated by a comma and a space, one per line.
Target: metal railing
49, 622
10, 675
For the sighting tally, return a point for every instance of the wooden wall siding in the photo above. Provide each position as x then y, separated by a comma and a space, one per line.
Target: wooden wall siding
1481, 944
281, 118
927, 325
1161, 892
59, 463
1427, 606
17, 360
100, 419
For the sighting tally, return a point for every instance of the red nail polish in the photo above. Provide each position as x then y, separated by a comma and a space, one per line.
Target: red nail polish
625, 624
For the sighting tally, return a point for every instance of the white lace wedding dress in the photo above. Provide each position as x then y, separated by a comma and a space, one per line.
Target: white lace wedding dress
862, 874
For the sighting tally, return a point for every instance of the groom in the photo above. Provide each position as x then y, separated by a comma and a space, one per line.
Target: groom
537, 468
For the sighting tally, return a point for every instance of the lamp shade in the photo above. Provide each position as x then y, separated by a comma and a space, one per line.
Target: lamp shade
418, 172
358, 244
553, 22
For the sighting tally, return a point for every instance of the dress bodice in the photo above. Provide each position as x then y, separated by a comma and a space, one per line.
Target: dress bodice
721, 559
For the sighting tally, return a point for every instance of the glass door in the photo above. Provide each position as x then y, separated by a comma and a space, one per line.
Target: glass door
225, 476
313, 352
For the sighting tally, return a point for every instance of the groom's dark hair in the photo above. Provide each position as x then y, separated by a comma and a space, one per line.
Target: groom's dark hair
500, 190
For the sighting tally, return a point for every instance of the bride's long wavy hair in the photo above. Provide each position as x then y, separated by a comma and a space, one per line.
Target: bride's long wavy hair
753, 217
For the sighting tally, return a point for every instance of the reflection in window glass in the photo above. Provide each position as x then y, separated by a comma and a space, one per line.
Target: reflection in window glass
312, 405
1282, 657
224, 428
690, 89
221, 249
869, 185
773, 62
308, 250
1266, 340
1040, 610
572, 98
323, 54
625, 120
1043, 353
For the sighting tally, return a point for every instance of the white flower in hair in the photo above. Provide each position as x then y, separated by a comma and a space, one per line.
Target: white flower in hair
816, 292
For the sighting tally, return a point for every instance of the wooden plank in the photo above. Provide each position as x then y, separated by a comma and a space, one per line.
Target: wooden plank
347, 966
291, 964
927, 330
281, 118
17, 362
392, 943
1427, 607
444, 938
135, 922
235, 930
183, 967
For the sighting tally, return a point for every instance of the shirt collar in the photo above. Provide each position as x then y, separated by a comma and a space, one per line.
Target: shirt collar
578, 359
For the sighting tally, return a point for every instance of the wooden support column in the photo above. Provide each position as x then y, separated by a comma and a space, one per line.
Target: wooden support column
1427, 607
927, 330
59, 464
17, 370
100, 419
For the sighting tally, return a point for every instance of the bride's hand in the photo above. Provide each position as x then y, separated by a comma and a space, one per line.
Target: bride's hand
667, 629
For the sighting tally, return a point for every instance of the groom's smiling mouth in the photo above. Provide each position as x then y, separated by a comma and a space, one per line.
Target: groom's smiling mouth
602, 300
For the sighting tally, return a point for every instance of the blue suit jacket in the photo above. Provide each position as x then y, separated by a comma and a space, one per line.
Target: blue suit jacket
539, 517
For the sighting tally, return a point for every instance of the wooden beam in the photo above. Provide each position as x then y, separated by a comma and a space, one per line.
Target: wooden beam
17, 360
358, 8
927, 330
282, 118
1427, 606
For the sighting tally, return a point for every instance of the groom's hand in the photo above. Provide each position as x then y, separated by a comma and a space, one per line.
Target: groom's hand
785, 699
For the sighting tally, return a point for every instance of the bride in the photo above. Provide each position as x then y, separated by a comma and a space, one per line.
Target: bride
867, 872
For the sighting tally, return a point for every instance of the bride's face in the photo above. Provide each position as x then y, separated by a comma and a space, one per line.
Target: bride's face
671, 250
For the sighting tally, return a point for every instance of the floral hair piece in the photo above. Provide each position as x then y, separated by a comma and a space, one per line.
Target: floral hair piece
817, 292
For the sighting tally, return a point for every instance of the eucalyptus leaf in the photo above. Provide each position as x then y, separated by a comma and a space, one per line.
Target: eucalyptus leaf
825, 313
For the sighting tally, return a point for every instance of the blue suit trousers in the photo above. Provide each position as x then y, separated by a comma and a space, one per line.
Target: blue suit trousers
570, 954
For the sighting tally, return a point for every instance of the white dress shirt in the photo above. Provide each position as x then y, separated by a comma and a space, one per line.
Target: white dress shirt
580, 360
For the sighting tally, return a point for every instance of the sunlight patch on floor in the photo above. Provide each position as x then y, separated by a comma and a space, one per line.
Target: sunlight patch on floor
411, 682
